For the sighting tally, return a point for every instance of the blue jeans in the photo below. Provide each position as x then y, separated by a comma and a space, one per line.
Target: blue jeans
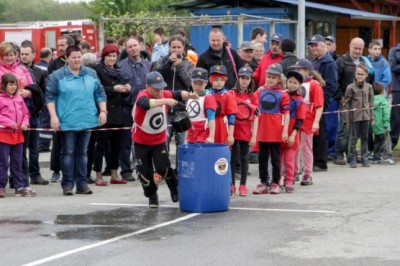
73, 158
332, 126
179, 139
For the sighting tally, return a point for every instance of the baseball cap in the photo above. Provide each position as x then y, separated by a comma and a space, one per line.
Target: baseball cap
245, 71
275, 69
296, 75
330, 38
218, 69
277, 37
199, 74
302, 63
155, 80
246, 46
316, 39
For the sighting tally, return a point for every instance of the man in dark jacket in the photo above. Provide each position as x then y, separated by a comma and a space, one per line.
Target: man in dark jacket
326, 66
219, 54
394, 62
176, 71
134, 68
33, 169
346, 73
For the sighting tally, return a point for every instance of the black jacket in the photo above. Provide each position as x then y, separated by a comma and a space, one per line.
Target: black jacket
346, 74
287, 61
209, 58
115, 100
56, 64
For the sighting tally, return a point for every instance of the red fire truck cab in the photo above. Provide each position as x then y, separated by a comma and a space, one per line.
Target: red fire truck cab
45, 33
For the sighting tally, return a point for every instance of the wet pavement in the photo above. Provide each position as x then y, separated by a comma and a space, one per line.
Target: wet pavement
348, 217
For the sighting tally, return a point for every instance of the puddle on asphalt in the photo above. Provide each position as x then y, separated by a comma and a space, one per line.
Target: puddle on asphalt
103, 225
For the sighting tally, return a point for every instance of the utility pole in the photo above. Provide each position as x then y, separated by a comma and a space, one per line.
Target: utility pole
301, 29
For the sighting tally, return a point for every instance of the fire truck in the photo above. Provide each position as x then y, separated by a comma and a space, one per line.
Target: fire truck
45, 33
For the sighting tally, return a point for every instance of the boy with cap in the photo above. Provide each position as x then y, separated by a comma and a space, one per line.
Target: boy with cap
381, 127
201, 111
274, 105
149, 135
226, 110
297, 116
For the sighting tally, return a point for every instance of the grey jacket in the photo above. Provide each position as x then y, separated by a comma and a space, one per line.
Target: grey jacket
359, 96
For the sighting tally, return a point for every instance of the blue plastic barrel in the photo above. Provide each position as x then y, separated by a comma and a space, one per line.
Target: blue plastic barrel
204, 175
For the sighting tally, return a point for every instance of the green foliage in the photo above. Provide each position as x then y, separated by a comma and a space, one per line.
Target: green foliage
125, 10
40, 10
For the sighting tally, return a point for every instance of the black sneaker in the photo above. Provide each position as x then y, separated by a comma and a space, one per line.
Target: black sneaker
84, 191
55, 177
90, 180
128, 177
153, 201
68, 192
39, 180
174, 194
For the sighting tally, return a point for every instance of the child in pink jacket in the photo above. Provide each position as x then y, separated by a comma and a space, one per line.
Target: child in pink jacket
14, 117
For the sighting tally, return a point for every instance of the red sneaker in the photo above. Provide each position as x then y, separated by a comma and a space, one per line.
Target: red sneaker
243, 191
233, 191
275, 189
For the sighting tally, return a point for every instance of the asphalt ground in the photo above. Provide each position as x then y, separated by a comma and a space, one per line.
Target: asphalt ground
348, 217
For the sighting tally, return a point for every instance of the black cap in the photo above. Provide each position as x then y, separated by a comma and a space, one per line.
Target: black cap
316, 39
302, 63
218, 69
296, 75
330, 38
245, 71
199, 74
277, 37
155, 80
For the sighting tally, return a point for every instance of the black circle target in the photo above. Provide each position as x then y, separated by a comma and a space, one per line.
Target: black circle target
156, 121
193, 109
269, 101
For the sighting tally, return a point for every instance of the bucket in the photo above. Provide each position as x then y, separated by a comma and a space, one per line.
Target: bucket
204, 175
180, 121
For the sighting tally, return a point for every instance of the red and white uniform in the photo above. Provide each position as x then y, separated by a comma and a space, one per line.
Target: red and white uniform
196, 108
226, 105
150, 125
297, 111
246, 105
313, 99
273, 103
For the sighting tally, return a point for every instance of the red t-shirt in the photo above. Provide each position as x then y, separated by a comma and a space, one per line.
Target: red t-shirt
150, 125
273, 103
313, 99
297, 111
199, 130
226, 105
246, 105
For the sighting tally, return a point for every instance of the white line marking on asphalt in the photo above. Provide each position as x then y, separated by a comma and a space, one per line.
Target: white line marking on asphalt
231, 208
111, 240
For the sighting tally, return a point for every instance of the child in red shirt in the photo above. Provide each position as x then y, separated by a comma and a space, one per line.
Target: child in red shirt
297, 116
14, 118
245, 133
314, 100
150, 135
201, 111
273, 124
226, 106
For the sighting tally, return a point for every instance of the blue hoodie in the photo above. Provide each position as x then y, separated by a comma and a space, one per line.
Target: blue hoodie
382, 71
